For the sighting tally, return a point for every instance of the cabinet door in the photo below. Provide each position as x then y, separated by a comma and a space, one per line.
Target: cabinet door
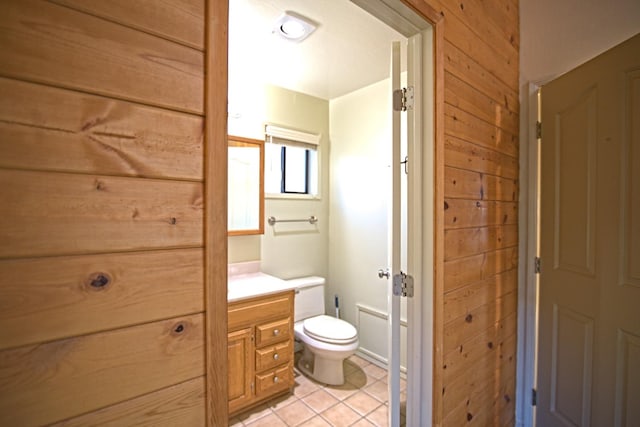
240, 371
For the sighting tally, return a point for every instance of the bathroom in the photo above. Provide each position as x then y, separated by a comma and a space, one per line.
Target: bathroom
349, 242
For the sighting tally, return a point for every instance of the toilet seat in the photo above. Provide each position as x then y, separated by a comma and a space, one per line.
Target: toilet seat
330, 330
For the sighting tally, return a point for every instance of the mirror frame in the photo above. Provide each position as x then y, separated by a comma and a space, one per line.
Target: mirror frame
238, 141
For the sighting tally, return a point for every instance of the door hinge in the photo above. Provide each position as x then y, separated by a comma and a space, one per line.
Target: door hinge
536, 265
403, 285
403, 99
538, 129
534, 397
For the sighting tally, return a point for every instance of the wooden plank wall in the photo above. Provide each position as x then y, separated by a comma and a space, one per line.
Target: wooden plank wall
102, 294
476, 292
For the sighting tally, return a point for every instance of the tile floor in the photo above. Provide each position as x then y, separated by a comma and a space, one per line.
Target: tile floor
360, 401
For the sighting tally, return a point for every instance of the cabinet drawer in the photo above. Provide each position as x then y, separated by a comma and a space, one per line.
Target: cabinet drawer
278, 379
269, 357
273, 332
257, 310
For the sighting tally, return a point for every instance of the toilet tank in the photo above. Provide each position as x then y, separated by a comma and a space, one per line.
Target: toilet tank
309, 299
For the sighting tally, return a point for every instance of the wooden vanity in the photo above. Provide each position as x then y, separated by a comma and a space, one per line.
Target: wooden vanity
260, 344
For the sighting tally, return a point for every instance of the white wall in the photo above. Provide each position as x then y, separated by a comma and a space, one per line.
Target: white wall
298, 249
285, 250
558, 35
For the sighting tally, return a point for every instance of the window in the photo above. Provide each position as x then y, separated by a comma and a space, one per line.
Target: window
291, 162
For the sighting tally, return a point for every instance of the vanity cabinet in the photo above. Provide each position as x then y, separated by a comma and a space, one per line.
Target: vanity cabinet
260, 347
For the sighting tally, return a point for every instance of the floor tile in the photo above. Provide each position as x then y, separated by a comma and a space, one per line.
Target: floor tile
359, 361
374, 371
320, 400
317, 421
340, 415
254, 414
270, 420
358, 378
349, 366
362, 423
362, 403
304, 386
341, 392
379, 417
282, 401
295, 414
378, 390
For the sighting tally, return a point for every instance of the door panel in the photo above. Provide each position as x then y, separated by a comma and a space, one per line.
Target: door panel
631, 183
574, 213
589, 320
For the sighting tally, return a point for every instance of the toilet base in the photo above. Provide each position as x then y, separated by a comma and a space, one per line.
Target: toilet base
327, 371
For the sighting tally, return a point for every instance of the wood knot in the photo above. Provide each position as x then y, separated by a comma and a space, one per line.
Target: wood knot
446, 205
490, 344
507, 398
100, 186
461, 6
478, 204
469, 318
469, 416
173, 220
179, 328
98, 280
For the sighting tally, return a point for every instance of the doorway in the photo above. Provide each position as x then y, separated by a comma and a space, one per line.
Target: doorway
332, 250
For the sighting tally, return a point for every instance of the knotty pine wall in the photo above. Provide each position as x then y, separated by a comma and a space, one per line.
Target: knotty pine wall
476, 217
102, 177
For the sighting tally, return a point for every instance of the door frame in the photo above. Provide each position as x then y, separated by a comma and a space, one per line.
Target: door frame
528, 247
426, 337
425, 331
422, 344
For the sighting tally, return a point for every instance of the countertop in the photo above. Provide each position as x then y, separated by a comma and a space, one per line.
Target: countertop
255, 284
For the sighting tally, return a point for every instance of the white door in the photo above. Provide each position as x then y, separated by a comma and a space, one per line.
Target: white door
409, 242
394, 249
589, 324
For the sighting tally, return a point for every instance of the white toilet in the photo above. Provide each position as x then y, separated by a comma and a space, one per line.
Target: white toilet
327, 340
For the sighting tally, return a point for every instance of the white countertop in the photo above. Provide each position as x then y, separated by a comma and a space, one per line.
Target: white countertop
255, 284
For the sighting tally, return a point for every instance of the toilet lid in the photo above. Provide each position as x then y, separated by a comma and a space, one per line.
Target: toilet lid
330, 329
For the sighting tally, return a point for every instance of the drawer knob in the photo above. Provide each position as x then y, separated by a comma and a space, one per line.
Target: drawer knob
276, 379
276, 332
276, 356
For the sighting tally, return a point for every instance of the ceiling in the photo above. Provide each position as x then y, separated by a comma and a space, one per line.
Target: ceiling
349, 50
557, 36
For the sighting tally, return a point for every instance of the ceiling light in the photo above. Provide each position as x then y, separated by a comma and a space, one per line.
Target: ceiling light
294, 27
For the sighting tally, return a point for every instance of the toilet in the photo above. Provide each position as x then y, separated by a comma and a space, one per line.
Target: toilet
327, 341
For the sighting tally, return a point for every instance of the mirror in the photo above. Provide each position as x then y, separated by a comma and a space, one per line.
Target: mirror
245, 186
